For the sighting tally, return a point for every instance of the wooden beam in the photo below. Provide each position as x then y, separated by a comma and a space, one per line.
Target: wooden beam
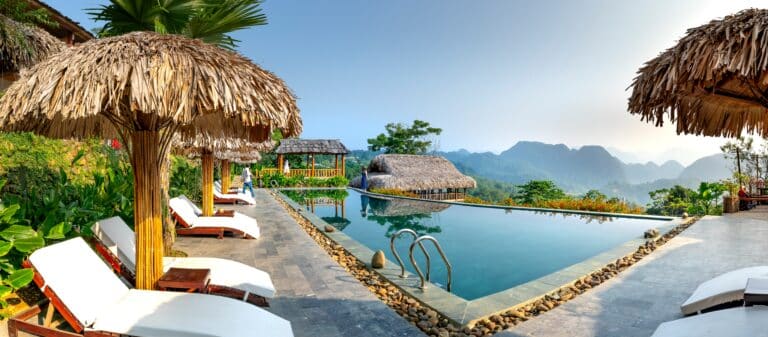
313, 165
146, 160
343, 166
280, 163
225, 176
207, 159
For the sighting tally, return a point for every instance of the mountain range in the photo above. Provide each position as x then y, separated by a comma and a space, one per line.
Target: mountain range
585, 168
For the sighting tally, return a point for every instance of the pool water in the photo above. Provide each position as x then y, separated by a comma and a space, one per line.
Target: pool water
490, 249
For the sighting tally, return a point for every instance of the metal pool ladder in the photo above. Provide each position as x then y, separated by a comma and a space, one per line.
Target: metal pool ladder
418, 240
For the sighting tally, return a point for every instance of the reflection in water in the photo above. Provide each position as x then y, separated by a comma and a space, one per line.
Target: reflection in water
588, 218
394, 213
397, 214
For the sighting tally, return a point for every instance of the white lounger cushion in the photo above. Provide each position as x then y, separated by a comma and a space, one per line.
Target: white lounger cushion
722, 289
121, 241
246, 198
172, 314
83, 282
101, 302
239, 222
734, 322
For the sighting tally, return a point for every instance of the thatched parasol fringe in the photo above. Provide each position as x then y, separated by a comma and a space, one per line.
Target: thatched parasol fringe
714, 82
124, 76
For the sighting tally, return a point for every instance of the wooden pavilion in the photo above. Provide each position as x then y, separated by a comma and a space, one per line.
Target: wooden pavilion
428, 177
311, 148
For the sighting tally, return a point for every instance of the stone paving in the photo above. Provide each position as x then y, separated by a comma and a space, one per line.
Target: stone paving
318, 296
640, 298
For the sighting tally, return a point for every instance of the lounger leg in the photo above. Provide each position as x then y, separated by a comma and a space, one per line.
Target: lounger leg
19, 323
221, 235
48, 316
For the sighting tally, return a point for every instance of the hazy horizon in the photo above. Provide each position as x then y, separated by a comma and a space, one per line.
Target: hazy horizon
488, 73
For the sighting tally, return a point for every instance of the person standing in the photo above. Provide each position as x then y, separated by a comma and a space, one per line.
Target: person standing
247, 180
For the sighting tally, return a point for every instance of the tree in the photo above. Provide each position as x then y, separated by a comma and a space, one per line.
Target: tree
208, 20
536, 191
404, 139
595, 195
737, 151
670, 201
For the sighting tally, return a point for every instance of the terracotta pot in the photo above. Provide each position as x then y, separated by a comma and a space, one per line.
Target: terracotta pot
730, 204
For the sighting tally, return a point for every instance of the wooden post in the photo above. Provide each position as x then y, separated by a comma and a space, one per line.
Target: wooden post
343, 210
207, 182
225, 175
343, 166
147, 207
336, 163
280, 163
313, 165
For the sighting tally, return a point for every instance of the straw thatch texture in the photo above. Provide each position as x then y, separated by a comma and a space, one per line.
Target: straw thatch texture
311, 146
713, 82
223, 147
148, 81
414, 173
23, 45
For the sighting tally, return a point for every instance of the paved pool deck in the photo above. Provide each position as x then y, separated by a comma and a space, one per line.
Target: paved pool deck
318, 296
640, 298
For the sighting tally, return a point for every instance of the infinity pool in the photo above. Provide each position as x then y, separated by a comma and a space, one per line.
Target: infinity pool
490, 249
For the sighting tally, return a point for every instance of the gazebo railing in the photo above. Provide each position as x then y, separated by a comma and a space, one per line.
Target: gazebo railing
317, 173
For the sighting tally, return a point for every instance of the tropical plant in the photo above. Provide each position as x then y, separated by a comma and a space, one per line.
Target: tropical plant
19, 11
186, 178
209, 20
738, 151
404, 139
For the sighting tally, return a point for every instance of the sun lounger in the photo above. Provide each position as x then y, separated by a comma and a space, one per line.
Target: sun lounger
95, 302
231, 198
117, 244
232, 189
721, 290
190, 223
734, 322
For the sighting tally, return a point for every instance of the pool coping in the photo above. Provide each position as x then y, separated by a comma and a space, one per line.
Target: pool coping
468, 312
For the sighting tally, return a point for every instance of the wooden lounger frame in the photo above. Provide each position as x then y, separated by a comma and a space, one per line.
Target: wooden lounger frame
225, 200
120, 268
20, 322
184, 229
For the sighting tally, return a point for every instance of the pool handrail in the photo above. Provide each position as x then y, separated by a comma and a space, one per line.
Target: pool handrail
442, 255
397, 256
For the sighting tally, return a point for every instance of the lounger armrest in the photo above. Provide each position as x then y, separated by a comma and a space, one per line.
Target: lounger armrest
225, 212
19, 323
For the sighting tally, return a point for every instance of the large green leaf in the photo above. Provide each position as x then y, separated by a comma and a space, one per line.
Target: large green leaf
57, 232
5, 247
7, 266
27, 245
16, 232
20, 278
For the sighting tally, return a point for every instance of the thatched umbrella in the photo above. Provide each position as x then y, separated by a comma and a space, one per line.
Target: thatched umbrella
208, 149
713, 82
23, 45
146, 88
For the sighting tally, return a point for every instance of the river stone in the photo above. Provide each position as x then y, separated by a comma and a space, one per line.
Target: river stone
329, 229
378, 260
651, 233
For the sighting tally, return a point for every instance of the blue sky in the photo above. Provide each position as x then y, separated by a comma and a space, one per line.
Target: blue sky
490, 73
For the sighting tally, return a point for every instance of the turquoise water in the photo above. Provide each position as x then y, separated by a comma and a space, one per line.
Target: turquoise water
490, 249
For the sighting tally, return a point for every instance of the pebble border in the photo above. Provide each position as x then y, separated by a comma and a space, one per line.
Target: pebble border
433, 323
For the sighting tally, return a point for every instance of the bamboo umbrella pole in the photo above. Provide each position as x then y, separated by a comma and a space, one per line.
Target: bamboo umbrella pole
225, 172
147, 207
207, 159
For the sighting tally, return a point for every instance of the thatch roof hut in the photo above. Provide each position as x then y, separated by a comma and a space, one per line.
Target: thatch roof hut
23, 45
428, 176
713, 82
311, 146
